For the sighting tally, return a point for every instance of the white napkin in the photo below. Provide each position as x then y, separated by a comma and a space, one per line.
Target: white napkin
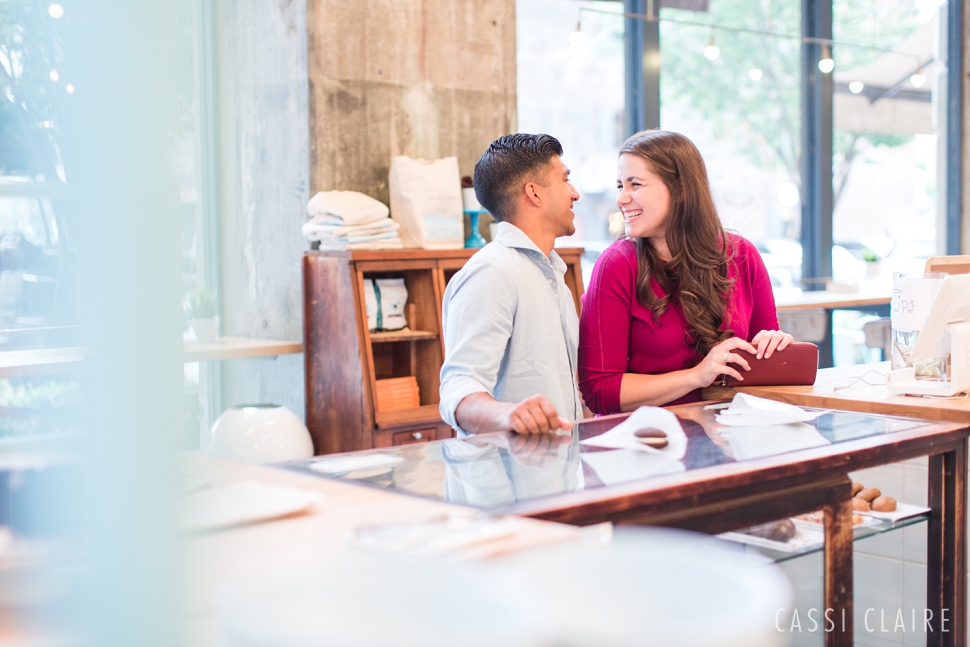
755, 442
352, 207
749, 411
624, 465
621, 436
240, 503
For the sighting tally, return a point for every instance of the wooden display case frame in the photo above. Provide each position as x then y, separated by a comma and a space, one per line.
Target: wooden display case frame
344, 359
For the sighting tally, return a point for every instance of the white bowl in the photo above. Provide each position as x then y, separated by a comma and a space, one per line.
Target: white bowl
258, 433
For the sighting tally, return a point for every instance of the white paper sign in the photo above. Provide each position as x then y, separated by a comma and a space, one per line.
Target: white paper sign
913, 298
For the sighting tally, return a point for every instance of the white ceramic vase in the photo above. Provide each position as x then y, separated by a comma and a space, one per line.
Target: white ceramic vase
258, 433
206, 330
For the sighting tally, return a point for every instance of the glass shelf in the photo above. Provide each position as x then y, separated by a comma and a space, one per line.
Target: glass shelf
857, 534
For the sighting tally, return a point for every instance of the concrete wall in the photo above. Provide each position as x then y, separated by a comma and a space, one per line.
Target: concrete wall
264, 166
405, 77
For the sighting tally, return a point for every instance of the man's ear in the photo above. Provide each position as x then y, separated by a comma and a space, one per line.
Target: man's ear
533, 193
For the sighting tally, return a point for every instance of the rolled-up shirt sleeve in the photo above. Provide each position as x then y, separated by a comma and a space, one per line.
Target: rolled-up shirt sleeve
478, 311
604, 332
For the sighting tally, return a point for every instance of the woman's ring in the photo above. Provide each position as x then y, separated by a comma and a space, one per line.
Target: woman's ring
725, 358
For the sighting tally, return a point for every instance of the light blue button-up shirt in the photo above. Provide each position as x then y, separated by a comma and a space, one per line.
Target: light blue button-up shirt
510, 328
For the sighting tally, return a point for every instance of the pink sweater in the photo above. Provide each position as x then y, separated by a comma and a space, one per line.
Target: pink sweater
617, 335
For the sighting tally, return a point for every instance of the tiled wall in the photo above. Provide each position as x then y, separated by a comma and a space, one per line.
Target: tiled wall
890, 569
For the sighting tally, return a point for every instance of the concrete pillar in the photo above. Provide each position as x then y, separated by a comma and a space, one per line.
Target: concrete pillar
965, 205
264, 168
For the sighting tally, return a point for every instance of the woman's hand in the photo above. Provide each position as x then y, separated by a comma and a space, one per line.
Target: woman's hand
718, 361
768, 341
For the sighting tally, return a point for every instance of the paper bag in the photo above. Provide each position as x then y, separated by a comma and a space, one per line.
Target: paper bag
426, 201
385, 300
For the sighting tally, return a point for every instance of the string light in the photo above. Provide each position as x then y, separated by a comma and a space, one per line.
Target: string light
55, 10
577, 38
54, 76
712, 51
855, 87
755, 74
69, 88
919, 78
826, 64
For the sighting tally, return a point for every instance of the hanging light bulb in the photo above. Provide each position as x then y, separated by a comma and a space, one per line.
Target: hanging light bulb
855, 87
577, 38
755, 74
918, 79
712, 51
826, 64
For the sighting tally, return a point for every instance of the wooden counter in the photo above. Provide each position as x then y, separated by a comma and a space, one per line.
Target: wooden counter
211, 559
857, 388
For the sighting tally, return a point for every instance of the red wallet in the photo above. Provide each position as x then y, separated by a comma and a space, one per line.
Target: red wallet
796, 365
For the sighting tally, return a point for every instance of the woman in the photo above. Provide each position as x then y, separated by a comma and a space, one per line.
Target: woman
668, 306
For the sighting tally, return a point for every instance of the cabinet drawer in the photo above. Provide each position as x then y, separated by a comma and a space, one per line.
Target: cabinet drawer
413, 436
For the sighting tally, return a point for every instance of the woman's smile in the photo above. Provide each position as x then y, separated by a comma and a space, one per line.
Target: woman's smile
644, 199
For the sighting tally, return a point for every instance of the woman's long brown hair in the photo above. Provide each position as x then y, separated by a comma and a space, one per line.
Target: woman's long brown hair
697, 273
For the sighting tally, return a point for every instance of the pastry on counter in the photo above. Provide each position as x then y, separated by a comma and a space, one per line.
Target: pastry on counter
819, 517
780, 531
651, 437
869, 493
884, 504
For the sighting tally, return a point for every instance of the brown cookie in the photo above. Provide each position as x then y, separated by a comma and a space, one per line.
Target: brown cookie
856, 488
860, 505
651, 437
869, 493
884, 504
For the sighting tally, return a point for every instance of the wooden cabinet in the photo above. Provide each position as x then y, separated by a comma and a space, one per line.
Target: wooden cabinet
344, 359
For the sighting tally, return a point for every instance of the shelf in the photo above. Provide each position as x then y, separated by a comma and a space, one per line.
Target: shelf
47, 361
401, 335
237, 348
40, 361
857, 534
428, 413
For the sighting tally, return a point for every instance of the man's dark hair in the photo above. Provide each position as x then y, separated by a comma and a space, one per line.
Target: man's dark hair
509, 161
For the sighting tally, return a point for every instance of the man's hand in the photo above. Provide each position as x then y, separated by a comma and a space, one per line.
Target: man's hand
480, 413
534, 415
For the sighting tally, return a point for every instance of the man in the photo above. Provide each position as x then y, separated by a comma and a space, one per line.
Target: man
510, 325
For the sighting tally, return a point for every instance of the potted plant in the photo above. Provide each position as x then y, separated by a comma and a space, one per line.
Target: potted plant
873, 268
205, 323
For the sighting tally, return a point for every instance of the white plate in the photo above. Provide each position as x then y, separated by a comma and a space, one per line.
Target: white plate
811, 525
903, 511
804, 539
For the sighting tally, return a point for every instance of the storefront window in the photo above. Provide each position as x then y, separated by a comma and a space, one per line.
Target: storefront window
742, 110
570, 85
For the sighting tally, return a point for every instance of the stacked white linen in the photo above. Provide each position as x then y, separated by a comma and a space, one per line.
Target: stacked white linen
350, 220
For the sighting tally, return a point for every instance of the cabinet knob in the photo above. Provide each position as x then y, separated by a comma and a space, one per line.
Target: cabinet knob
417, 435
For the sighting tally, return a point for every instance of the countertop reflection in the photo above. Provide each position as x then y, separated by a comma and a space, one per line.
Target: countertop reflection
496, 470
